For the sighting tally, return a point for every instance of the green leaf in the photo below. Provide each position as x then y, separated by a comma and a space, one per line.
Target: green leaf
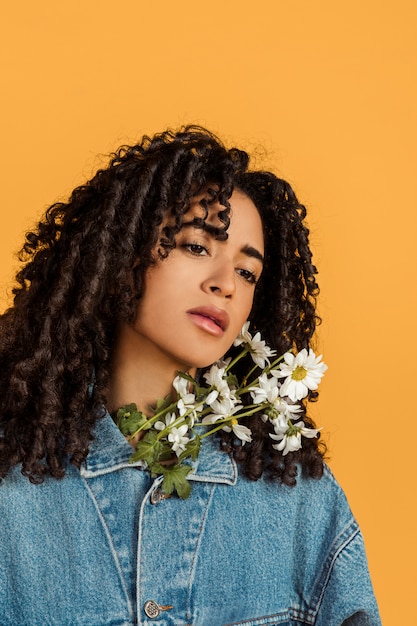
147, 449
156, 469
162, 404
232, 381
192, 449
129, 419
127, 408
175, 478
166, 454
187, 377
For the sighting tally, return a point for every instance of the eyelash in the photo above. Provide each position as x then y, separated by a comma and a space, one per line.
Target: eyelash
191, 247
197, 248
249, 276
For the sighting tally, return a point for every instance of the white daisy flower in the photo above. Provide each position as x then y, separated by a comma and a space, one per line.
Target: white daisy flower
244, 336
281, 425
302, 372
257, 347
214, 378
289, 435
221, 410
169, 419
186, 402
289, 443
268, 391
221, 399
178, 439
260, 352
242, 432
181, 387
286, 409
225, 406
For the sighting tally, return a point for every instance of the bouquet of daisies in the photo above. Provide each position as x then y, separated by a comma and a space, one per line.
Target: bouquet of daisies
171, 437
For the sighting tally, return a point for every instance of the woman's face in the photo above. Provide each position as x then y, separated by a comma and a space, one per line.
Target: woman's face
197, 299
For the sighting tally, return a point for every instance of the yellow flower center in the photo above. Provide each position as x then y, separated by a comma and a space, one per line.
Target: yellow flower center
233, 421
299, 373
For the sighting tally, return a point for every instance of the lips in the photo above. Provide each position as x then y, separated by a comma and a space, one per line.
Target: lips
210, 319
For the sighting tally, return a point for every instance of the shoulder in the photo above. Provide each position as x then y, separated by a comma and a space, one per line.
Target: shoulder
320, 505
305, 537
313, 515
22, 500
316, 501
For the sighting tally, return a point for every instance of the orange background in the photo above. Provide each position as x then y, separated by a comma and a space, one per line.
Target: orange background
324, 93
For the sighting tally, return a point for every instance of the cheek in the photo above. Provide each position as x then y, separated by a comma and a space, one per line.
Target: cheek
243, 313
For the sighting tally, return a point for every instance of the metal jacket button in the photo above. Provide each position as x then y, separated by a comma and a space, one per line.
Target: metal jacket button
158, 495
153, 609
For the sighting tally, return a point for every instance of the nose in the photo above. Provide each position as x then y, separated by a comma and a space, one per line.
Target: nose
221, 281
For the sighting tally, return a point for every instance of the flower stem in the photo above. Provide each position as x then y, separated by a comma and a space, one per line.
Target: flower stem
152, 420
237, 358
221, 422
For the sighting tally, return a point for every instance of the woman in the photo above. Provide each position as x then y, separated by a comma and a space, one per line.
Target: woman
152, 268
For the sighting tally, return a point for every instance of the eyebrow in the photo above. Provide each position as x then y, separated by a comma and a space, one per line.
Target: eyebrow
248, 250
252, 252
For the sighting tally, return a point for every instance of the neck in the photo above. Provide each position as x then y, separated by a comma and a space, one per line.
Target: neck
140, 372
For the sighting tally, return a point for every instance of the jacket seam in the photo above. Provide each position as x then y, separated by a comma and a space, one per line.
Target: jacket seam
292, 613
143, 505
196, 552
112, 548
349, 533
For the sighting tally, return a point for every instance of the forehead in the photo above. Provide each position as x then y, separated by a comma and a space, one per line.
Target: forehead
245, 221
239, 222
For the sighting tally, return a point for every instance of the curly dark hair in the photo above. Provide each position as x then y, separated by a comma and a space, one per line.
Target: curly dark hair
76, 286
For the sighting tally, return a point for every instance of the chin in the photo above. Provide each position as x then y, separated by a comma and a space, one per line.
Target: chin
198, 356
200, 364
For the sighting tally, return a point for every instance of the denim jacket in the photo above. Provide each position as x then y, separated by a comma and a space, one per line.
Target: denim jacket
104, 547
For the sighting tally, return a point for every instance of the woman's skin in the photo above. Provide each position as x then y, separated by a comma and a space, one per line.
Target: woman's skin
194, 304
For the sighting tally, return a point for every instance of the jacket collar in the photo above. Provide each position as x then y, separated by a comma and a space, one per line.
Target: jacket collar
109, 451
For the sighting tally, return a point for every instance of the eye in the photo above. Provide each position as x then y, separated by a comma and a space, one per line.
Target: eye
195, 248
247, 275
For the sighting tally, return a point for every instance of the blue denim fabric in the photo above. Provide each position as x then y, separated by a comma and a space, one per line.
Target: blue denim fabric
101, 548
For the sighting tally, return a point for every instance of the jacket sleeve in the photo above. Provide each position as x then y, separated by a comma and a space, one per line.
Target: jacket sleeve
347, 596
